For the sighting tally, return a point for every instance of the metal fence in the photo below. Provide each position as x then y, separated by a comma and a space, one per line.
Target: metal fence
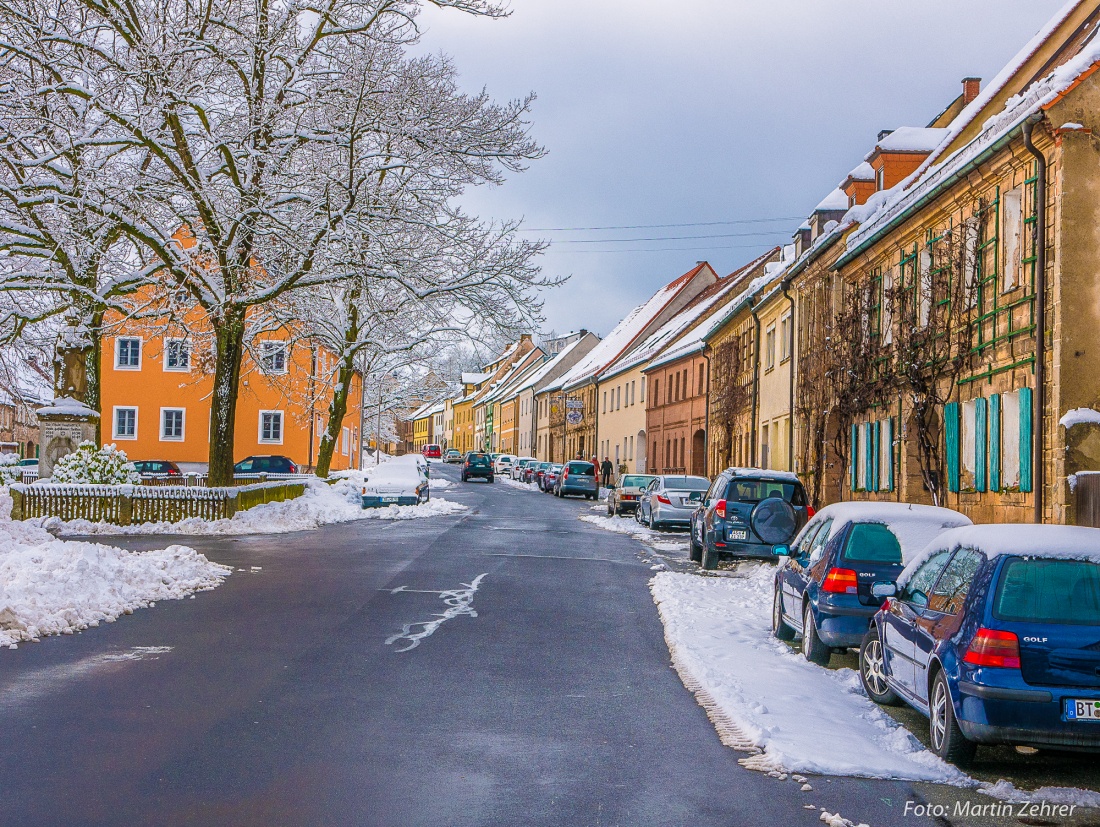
133, 504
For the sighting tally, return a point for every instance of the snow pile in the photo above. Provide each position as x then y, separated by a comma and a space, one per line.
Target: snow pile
89, 465
659, 540
10, 469
765, 697
511, 483
1056, 796
1080, 416
49, 586
322, 504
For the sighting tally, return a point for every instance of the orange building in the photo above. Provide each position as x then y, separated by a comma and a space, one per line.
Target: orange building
156, 396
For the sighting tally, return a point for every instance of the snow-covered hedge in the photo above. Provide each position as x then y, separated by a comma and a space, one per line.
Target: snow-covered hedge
88, 465
10, 469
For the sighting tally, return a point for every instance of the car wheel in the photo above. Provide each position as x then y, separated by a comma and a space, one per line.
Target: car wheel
779, 626
948, 741
464, 478
872, 670
813, 648
695, 551
610, 511
490, 478
708, 557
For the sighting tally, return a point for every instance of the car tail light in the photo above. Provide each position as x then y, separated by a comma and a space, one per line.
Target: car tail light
810, 511
172, 472
293, 468
841, 581
663, 499
720, 509
992, 647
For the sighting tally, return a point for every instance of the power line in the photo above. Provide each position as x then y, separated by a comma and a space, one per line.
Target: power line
661, 226
667, 238
670, 249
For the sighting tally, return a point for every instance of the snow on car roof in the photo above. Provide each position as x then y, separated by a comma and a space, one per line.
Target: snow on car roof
764, 473
403, 467
915, 526
1015, 539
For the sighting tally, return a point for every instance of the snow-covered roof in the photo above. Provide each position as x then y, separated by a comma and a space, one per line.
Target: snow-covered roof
835, 200
922, 139
474, 378
502, 388
936, 173
1080, 416
626, 332
537, 376
1020, 540
915, 526
668, 332
864, 172
22, 381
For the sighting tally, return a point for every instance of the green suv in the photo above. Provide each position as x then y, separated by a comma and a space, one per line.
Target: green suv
477, 464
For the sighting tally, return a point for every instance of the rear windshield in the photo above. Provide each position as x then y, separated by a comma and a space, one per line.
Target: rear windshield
478, 458
872, 543
1049, 591
753, 491
686, 483
586, 469
636, 481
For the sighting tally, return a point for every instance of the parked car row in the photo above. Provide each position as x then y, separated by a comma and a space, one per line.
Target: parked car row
574, 478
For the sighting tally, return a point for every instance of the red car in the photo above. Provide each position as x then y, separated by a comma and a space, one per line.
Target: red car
432, 451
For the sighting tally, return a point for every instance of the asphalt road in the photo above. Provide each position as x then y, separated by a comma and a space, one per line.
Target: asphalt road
505, 666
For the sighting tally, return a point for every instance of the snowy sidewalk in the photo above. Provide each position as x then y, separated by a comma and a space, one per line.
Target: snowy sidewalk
763, 696
50, 586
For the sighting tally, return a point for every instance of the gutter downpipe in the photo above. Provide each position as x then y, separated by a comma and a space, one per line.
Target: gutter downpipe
793, 362
1040, 313
755, 379
706, 421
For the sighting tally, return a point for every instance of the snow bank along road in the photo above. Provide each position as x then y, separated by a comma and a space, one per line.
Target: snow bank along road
502, 665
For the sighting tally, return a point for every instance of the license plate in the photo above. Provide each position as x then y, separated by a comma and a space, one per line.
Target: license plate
388, 499
1080, 710
739, 535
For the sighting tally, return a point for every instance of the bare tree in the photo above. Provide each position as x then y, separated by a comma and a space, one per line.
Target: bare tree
730, 393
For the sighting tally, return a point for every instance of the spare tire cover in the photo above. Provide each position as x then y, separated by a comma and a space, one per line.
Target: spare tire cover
774, 521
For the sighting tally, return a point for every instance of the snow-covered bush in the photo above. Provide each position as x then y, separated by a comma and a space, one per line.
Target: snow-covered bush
88, 465
10, 470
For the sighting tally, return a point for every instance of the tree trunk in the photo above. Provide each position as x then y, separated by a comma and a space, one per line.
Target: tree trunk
337, 409
94, 373
229, 354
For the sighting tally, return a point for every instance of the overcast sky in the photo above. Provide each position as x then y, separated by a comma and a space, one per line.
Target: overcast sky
696, 111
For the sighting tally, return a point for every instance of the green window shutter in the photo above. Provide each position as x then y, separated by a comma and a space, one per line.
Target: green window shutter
893, 452
951, 425
980, 443
854, 452
868, 458
877, 453
995, 442
1025, 439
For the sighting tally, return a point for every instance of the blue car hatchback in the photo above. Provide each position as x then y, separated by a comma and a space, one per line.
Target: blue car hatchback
993, 632
823, 593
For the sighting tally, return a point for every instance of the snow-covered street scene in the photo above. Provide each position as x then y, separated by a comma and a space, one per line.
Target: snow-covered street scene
560, 412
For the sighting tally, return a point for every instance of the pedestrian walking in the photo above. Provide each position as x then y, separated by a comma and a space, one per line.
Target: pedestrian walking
607, 469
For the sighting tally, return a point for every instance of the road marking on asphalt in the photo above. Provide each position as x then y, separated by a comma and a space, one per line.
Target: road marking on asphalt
459, 602
35, 684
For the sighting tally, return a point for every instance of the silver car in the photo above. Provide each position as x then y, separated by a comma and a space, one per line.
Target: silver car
670, 501
625, 496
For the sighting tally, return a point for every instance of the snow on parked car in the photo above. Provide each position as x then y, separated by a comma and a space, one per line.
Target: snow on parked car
401, 481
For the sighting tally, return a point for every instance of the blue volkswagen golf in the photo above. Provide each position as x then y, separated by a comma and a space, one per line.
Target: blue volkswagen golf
993, 632
823, 592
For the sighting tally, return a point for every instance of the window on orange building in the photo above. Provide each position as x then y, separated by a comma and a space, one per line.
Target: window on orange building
271, 427
177, 355
273, 357
171, 424
125, 423
128, 353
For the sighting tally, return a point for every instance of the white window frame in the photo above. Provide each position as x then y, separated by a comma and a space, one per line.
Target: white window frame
273, 346
118, 352
187, 345
345, 440
183, 425
769, 347
1010, 440
282, 428
114, 422
1013, 227
785, 338
968, 443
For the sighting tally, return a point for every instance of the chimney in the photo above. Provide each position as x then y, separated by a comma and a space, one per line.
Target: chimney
883, 133
971, 88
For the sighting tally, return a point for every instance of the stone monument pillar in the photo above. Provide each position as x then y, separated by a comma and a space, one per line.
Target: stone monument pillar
68, 421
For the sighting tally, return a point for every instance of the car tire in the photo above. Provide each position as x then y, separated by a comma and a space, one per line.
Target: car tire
490, 478
813, 647
695, 551
872, 670
780, 628
948, 741
464, 478
610, 511
708, 557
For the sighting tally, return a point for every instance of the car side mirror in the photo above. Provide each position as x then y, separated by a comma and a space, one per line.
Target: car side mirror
884, 590
781, 551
